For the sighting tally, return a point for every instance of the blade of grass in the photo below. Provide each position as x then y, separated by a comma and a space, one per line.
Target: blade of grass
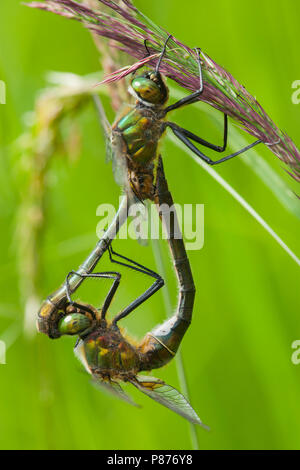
238, 198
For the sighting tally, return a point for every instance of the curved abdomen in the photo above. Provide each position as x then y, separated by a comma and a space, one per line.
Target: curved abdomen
160, 345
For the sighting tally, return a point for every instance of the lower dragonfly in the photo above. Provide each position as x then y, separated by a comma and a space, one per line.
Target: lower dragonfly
106, 352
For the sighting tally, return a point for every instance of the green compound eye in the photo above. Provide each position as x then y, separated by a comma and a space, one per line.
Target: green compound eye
147, 89
73, 324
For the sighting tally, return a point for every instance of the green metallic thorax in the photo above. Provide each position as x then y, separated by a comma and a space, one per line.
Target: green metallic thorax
108, 353
105, 352
141, 130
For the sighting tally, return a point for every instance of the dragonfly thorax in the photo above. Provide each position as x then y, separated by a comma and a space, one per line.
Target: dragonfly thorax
107, 353
135, 137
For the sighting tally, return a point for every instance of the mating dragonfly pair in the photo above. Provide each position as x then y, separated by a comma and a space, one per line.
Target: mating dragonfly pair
106, 353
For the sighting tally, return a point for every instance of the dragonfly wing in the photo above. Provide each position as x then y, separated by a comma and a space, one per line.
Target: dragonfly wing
113, 388
167, 396
115, 149
80, 354
104, 123
116, 152
137, 209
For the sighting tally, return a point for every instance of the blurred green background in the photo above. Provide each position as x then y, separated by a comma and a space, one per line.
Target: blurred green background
237, 353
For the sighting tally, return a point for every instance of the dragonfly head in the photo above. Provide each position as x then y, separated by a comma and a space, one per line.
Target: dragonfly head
150, 89
47, 319
79, 319
67, 319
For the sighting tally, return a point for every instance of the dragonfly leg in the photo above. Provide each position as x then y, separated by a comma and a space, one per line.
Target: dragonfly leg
148, 53
137, 266
141, 299
194, 96
106, 275
199, 140
146, 47
185, 136
158, 283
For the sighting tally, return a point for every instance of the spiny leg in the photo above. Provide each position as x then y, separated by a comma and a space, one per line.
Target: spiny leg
194, 96
139, 267
158, 283
182, 136
146, 47
161, 54
106, 275
148, 53
199, 140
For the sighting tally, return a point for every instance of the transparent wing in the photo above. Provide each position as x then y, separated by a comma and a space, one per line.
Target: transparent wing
167, 396
116, 153
80, 354
115, 149
113, 388
105, 125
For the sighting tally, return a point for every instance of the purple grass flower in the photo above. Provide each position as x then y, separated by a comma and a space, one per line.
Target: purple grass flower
123, 23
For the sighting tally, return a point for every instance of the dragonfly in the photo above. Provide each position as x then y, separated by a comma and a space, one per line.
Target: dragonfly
112, 357
136, 133
138, 167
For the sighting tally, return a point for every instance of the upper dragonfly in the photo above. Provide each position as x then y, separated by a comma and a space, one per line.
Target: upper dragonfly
136, 133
